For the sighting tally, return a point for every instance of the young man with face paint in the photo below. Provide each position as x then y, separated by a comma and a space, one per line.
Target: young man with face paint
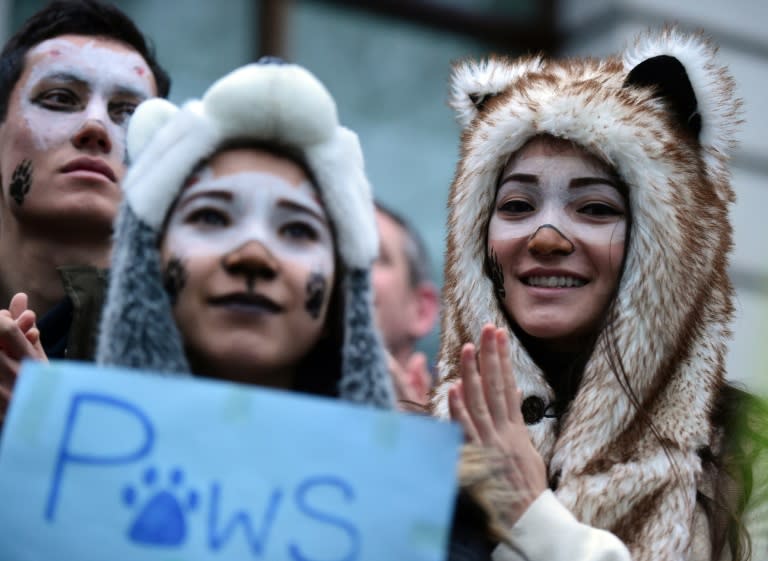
70, 79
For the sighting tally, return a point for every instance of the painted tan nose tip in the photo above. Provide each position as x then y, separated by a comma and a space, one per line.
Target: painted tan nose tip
548, 240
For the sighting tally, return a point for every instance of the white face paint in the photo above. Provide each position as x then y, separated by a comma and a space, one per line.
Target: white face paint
553, 290
216, 216
81, 82
578, 199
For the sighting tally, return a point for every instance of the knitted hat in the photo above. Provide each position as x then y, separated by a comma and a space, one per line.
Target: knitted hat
267, 102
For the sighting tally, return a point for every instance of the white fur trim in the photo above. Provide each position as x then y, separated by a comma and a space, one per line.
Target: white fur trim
153, 182
338, 166
145, 121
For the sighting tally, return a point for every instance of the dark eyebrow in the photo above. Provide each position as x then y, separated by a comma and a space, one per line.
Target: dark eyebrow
577, 182
130, 92
521, 178
65, 77
70, 78
220, 195
301, 208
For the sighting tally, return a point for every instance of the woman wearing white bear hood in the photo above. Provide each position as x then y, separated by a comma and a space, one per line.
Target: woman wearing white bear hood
244, 244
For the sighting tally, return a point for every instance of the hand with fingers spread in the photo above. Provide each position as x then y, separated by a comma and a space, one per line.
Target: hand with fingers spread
486, 401
19, 339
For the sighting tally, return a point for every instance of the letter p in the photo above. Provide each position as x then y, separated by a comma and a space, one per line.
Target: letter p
82, 402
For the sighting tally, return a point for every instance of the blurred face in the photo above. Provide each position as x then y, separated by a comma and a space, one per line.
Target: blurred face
394, 295
556, 240
249, 263
62, 145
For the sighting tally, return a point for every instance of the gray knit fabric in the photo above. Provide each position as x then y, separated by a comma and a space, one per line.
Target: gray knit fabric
365, 378
137, 325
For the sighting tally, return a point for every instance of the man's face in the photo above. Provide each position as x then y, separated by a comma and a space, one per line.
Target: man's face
62, 144
394, 296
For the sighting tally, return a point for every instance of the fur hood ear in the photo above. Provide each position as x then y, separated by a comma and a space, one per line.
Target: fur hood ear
666, 126
473, 84
148, 118
712, 85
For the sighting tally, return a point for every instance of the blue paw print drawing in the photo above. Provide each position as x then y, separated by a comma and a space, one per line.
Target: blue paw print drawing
162, 518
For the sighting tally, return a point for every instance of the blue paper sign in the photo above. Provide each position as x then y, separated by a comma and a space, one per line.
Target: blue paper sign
100, 464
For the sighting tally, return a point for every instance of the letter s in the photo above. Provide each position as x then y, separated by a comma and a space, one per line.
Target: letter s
345, 526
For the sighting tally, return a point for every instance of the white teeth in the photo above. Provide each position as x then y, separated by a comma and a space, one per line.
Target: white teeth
555, 282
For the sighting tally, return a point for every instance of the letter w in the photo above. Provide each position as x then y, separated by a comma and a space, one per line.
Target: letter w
257, 540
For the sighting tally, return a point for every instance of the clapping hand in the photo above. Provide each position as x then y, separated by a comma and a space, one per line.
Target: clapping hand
486, 402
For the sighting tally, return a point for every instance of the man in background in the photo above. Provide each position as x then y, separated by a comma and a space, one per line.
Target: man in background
407, 302
70, 79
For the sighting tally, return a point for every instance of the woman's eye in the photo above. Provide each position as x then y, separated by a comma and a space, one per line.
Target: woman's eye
58, 99
600, 209
120, 112
208, 217
516, 206
299, 231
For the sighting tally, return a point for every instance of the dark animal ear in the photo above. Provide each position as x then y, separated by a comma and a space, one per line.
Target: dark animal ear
668, 76
479, 100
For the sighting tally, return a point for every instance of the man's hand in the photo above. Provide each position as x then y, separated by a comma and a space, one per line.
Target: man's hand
486, 401
412, 382
19, 339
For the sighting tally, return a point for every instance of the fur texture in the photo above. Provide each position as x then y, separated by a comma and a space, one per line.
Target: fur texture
272, 102
671, 320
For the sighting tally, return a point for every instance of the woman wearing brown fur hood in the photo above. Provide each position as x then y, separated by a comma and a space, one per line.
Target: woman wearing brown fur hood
589, 215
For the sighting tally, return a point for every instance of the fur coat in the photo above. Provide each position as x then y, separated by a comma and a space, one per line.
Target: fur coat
663, 115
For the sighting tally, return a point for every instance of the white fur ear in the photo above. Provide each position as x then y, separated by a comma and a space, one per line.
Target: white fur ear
472, 83
711, 82
274, 102
339, 168
154, 179
149, 117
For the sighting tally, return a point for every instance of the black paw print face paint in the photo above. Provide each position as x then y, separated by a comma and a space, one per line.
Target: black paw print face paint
316, 287
21, 180
174, 278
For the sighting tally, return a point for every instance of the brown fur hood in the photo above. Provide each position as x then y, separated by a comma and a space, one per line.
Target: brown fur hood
662, 114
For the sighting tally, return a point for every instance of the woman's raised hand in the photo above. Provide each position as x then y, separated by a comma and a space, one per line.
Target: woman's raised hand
486, 402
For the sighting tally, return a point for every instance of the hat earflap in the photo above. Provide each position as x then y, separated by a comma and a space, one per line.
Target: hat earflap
365, 376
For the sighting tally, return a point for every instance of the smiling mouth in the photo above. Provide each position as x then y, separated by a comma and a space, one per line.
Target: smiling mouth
553, 282
246, 302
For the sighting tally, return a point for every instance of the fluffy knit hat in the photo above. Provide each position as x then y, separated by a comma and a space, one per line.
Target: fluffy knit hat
267, 102
662, 114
